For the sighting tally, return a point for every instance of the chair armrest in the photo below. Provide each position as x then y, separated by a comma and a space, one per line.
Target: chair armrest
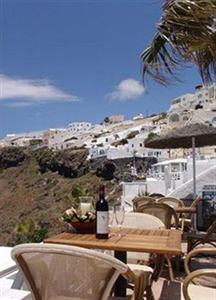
191, 276
194, 252
140, 280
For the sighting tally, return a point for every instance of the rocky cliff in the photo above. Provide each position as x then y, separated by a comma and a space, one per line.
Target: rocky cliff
37, 186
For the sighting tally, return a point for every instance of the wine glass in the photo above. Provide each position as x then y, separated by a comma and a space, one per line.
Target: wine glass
119, 216
111, 218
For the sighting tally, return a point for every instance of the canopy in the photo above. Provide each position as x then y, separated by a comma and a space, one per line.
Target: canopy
182, 137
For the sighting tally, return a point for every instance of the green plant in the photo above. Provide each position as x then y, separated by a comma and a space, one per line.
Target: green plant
27, 231
119, 143
132, 134
152, 135
78, 191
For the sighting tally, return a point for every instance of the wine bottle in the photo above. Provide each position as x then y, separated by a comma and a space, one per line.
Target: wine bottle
102, 215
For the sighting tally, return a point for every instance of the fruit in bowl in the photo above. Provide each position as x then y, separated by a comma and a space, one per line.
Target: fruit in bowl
80, 223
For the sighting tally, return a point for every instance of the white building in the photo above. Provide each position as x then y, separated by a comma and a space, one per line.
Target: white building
79, 127
169, 175
198, 107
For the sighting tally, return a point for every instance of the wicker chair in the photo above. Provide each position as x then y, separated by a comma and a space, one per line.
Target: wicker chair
61, 272
195, 239
141, 221
168, 216
187, 216
175, 203
162, 211
198, 292
142, 200
156, 195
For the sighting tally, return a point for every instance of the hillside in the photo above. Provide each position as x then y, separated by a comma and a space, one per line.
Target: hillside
37, 186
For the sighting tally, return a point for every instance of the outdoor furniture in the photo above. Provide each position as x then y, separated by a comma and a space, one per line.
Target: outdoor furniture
142, 200
162, 211
156, 195
188, 213
160, 241
168, 216
140, 221
174, 203
198, 292
200, 238
137, 260
61, 272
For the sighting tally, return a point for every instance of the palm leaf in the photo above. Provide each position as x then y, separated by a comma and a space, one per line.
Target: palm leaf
185, 34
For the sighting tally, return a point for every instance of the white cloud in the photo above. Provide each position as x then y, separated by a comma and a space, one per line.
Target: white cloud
26, 92
127, 89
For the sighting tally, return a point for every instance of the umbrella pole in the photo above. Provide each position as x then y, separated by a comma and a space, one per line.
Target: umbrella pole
194, 166
194, 178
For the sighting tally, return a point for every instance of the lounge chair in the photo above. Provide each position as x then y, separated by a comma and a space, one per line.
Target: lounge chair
62, 272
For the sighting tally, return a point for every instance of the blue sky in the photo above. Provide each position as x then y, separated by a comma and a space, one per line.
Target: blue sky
75, 60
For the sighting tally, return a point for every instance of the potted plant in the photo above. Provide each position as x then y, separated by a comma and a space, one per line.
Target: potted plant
80, 223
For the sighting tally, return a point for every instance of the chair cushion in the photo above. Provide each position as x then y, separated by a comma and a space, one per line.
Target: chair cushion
140, 268
198, 292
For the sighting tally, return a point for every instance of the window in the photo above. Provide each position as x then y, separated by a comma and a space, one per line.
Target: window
141, 145
175, 167
132, 145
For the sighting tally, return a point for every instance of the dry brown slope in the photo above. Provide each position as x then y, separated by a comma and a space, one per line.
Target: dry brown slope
26, 193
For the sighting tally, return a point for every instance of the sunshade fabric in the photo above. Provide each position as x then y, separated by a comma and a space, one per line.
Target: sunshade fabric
182, 137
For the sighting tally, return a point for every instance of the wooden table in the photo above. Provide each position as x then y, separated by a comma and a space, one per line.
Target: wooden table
161, 241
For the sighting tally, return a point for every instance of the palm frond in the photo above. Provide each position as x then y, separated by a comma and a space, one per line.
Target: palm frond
185, 34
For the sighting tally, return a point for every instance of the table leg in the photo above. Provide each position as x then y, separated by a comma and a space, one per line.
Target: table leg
121, 283
159, 263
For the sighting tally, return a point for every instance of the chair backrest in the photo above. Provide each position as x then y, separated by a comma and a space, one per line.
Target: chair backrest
142, 201
173, 202
201, 258
58, 272
210, 233
140, 221
156, 195
195, 201
162, 211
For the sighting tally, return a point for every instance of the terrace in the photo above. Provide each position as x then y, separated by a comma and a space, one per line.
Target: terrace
158, 258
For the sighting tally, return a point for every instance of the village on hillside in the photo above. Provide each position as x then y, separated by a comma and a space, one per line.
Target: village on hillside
116, 137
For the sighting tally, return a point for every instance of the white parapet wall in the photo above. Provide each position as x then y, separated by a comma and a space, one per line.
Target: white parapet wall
132, 189
208, 177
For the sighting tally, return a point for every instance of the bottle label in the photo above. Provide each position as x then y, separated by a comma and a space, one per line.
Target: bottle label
102, 222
